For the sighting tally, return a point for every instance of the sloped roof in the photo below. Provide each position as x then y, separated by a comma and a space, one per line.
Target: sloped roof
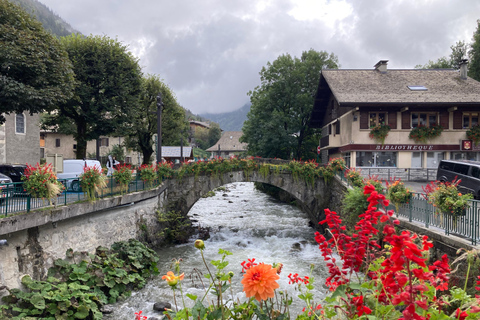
174, 152
199, 123
229, 141
372, 86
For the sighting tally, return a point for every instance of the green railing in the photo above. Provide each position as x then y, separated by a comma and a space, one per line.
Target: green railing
14, 199
420, 211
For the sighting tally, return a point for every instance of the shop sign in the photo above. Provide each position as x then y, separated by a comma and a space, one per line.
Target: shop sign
406, 147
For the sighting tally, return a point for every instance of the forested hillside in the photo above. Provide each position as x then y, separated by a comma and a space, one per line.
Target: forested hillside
47, 17
230, 121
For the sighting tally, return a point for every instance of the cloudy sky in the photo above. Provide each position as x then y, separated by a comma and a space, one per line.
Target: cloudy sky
211, 51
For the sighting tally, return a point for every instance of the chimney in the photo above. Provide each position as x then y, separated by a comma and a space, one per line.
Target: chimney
381, 66
463, 69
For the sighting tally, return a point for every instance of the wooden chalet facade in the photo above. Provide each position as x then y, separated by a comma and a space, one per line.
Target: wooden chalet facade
349, 102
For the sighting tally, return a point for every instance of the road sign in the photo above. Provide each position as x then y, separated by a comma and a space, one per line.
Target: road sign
318, 150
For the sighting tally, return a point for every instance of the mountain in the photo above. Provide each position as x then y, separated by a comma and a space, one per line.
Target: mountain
50, 21
229, 121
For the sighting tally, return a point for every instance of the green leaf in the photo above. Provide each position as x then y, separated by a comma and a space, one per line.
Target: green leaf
38, 301
82, 312
192, 296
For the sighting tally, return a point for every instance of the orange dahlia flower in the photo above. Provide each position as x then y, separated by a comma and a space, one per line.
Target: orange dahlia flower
260, 282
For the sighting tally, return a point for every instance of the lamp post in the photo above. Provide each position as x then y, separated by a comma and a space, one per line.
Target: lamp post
159, 128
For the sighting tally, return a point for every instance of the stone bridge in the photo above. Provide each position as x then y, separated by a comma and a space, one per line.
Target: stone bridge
183, 194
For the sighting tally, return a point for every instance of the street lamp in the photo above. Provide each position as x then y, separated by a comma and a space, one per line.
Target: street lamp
159, 128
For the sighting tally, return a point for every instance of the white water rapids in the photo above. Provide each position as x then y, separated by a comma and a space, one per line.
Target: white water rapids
248, 223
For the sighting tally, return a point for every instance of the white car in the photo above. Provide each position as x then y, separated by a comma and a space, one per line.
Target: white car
73, 169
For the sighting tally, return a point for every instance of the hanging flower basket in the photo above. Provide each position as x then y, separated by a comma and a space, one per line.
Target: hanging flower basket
379, 132
474, 134
446, 198
423, 134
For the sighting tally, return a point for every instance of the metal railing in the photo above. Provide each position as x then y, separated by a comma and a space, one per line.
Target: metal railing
405, 174
13, 199
466, 226
420, 211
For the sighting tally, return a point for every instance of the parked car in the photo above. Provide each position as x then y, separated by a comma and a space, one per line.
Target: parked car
467, 171
14, 172
6, 187
72, 169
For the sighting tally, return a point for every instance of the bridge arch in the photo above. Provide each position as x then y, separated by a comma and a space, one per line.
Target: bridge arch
183, 193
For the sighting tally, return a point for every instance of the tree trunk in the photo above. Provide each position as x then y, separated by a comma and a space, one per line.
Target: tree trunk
81, 141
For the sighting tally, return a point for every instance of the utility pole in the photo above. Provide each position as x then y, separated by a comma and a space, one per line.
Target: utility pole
159, 128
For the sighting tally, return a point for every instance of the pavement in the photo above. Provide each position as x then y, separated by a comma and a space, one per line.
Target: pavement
415, 186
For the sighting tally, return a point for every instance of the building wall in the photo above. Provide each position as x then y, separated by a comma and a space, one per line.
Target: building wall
20, 147
351, 134
68, 151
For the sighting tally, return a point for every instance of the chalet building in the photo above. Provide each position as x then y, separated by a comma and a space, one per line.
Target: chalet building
229, 145
350, 102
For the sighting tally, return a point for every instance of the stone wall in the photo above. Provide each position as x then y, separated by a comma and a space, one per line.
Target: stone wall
36, 239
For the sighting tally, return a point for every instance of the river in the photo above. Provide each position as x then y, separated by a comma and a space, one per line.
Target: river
248, 223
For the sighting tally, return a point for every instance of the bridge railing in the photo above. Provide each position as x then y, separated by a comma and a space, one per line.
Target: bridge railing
420, 211
14, 199
465, 226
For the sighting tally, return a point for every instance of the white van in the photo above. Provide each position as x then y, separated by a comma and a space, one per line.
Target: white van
73, 169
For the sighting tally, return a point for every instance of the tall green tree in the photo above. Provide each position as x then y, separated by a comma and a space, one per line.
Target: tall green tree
474, 52
108, 82
207, 137
278, 122
143, 122
35, 72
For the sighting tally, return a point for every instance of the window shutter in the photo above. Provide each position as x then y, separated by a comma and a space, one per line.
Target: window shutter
329, 129
106, 139
457, 120
406, 120
392, 119
337, 127
364, 120
444, 119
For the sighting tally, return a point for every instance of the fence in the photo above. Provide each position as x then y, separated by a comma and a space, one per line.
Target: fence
420, 211
14, 199
405, 174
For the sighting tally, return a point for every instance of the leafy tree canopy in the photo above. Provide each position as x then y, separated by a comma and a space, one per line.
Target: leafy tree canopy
108, 80
143, 121
205, 138
35, 72
474, 53
278, 121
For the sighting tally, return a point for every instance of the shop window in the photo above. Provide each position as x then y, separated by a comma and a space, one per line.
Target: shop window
376, 159
475, 156
424, 119
470, 120
376, 118
20, 123
346, 157
417, 159
434, 158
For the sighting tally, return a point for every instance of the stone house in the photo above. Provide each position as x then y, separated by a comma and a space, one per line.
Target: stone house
349, 103
58, 143
19, 139
229, 145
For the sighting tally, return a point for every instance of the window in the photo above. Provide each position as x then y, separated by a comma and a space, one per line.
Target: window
417, 159
20, 123
470, 120
103, 142
376, 118
376, 159
74, 147
424, 119
57, 143
42, 140
128, 160
434, 158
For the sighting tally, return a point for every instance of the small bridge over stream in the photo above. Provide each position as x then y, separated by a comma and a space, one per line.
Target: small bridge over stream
35, 239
